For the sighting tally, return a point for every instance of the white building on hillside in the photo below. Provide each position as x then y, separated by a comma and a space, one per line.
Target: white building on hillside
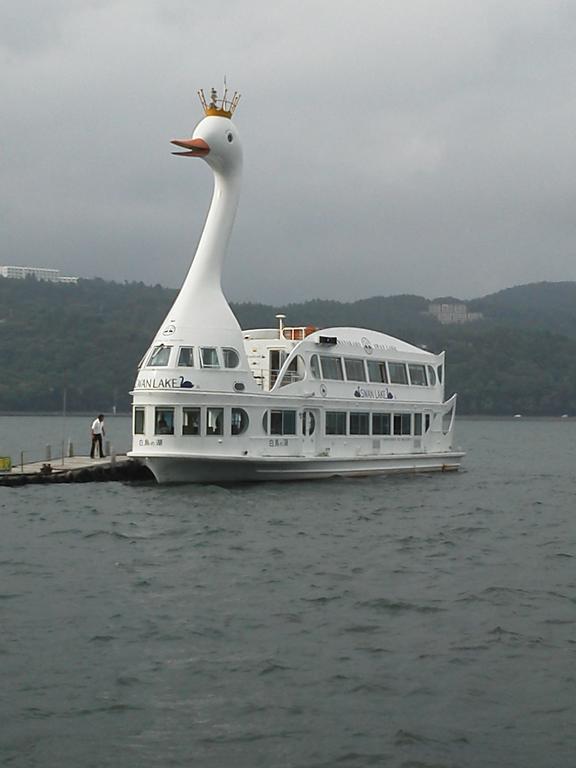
40, 273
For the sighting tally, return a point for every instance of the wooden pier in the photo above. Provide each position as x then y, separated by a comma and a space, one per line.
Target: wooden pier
76, 469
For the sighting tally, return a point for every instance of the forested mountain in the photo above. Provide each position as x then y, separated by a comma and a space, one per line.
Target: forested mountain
87, 339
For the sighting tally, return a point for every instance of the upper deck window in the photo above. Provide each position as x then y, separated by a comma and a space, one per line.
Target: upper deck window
294, 371
186, 357
354, 369
377, 371
431, 376
160, 355
332, 368
231, 357
315, 367
398, 374
417, 374
209, 357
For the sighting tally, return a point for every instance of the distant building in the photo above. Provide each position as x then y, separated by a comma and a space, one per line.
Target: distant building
449, 314
40, 273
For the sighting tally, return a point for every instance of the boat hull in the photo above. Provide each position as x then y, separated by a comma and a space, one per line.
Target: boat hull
200, 469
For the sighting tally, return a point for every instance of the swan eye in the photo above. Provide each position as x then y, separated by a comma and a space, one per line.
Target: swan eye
230, 137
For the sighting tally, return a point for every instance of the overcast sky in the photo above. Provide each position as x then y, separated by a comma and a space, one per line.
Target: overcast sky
391, 146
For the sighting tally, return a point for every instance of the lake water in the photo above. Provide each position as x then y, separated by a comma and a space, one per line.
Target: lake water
418, 622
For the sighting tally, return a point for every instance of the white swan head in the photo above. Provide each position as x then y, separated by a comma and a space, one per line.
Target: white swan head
216, 140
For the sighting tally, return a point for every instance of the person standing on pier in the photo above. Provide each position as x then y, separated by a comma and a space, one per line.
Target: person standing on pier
97, 433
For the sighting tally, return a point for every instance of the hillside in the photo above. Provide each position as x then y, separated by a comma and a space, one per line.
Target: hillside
88, 338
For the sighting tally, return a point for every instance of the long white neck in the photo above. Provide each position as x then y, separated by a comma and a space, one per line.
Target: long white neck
201, 300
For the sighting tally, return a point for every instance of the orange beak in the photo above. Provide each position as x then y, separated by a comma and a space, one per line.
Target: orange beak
196, 147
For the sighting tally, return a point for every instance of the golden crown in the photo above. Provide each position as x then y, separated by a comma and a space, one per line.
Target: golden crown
223, 107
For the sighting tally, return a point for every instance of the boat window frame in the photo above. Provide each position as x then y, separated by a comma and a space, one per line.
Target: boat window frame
185, 411
338, 423
225, 351
164, 409
422, 368
402, 424
156, 351
431, 375
355, 429
191, 354
396, 364
315, 370
386, 417
354, 361
243, 424
139, 410
279, 419
382, 370
209, 366
338, 363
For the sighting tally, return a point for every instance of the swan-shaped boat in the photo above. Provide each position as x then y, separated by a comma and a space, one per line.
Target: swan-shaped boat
214, 403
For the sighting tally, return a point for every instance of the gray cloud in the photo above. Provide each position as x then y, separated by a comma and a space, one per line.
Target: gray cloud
423, 147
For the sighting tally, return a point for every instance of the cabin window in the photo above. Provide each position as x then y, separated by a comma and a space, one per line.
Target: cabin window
141, 363
417, 375
381, 424
308, 423
335, 422
359, 423
191, 421
231, 357
160, 356
282, 422
440, 372
332, 368
186, 357
240, 421
139, 421
417, 423
277, 357
398, 373
426, 422
377, 371
431, 375
315, 367
209, 357
214, 421
164, 421
402, 423
354, 369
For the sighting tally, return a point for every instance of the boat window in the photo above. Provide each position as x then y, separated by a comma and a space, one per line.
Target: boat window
431, 375
417, 374
282, 422
354, 369
359, 423
417, 423
308, 423
440, 371
240, 421
138, 421
381, 424
447, 420
160, 355
191, 421
335, 422
214, 421
186, 357
231, 358
315, 367
141, 363
402, 423
209, 357
377, 371
164, 421
426, 422
294, 372
277, 357
398, 373
332, 368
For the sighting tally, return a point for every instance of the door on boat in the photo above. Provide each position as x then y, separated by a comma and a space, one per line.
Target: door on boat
310, 424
